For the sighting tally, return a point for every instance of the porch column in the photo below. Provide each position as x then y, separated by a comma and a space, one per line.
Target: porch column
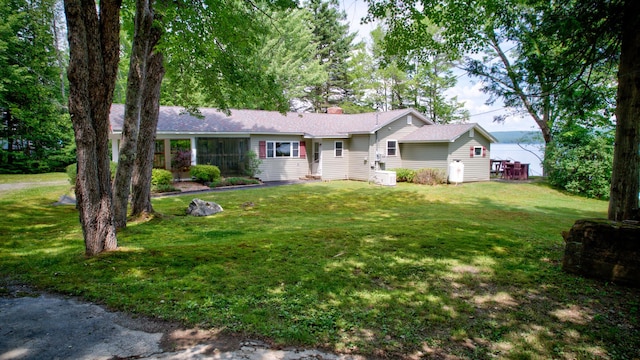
167, 154
193, 151
115, 150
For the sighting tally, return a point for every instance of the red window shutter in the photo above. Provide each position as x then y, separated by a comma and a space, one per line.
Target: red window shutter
471, 152
262, 150
303, 150
484, 151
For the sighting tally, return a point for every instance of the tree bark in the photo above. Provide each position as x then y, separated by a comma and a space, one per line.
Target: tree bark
94, 40
141, 186
131, 126
623, 203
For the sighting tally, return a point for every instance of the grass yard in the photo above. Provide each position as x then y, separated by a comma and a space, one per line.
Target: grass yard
471, 271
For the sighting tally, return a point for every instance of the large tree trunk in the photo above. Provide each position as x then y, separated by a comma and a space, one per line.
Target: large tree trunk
130, 130
623, 203
141, 197
94, 53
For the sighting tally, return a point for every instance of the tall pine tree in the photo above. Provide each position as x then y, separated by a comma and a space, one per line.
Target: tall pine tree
334, 43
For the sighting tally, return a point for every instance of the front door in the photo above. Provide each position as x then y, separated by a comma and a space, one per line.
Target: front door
316, 166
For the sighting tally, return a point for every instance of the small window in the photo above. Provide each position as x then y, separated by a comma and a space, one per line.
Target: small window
338, 149
472, 133
478, 151
392, 147
409, 120
295, 149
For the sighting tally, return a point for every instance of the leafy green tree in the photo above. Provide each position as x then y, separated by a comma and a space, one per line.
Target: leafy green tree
145, 38
557, 45
36, 131
580, 160
93, 34
210, 45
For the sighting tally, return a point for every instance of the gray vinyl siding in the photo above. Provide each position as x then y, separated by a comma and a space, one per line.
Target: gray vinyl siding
360, 155
335, 168
395, 131
475, 168
425, 155
275, 169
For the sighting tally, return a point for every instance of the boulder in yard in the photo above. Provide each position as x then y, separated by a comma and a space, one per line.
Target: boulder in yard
199, 207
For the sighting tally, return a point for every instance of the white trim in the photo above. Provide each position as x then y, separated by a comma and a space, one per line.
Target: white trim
295, 147
335, 148
396, 150
115, 150
194, 150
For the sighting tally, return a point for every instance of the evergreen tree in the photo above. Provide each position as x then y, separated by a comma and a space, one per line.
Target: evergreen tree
334, 43
36, 131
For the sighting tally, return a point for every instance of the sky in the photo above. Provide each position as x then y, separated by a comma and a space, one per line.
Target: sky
467, 90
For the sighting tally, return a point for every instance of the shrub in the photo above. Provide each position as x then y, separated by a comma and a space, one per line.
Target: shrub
161, 177
404, 175
430, 177
205, 173
232, 181
72, 173
581, 167
252, 164
181, 160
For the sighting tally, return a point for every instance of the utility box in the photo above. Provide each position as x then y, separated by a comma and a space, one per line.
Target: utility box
456, 172
383, 177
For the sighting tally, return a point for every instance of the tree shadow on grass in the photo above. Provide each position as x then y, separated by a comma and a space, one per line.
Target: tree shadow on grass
385, 272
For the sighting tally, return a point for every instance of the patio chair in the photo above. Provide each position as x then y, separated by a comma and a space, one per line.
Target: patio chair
506, 169
517, 170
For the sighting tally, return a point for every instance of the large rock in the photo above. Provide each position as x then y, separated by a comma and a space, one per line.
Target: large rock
199, 207
604, 249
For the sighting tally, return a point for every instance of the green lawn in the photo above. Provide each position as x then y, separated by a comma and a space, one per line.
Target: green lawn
472, 271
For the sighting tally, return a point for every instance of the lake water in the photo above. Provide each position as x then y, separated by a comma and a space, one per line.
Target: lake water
514, 152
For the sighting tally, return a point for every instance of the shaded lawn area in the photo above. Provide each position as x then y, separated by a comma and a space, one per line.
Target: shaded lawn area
471, 271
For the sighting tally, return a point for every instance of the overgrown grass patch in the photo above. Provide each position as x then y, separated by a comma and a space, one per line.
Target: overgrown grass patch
471, 271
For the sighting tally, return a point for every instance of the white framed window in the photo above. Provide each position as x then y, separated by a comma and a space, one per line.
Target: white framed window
339, 146
409, 120
283, 149
478, 151
392, 147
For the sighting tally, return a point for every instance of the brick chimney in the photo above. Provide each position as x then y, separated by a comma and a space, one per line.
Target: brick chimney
334, 110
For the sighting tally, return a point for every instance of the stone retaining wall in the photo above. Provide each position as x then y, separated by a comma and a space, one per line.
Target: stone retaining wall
604, 249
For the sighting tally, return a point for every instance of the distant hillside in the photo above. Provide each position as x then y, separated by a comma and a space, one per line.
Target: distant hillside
522, 137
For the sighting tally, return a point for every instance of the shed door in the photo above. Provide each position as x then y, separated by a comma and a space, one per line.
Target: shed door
316, 166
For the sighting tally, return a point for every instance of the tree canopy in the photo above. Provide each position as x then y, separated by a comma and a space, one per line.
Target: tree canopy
36, 130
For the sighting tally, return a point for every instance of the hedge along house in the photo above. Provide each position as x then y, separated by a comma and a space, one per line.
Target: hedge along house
328, 146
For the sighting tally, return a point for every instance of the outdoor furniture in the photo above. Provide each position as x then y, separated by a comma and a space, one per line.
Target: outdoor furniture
517, 171
496, 167
507, 170
524, 175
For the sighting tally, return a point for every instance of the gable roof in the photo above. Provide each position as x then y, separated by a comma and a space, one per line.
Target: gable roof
173, 120
444, 133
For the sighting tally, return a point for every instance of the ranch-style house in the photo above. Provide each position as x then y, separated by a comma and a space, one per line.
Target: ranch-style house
328, 146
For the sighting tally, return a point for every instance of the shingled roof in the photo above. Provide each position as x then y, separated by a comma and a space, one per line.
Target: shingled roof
444, 133
174, 120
